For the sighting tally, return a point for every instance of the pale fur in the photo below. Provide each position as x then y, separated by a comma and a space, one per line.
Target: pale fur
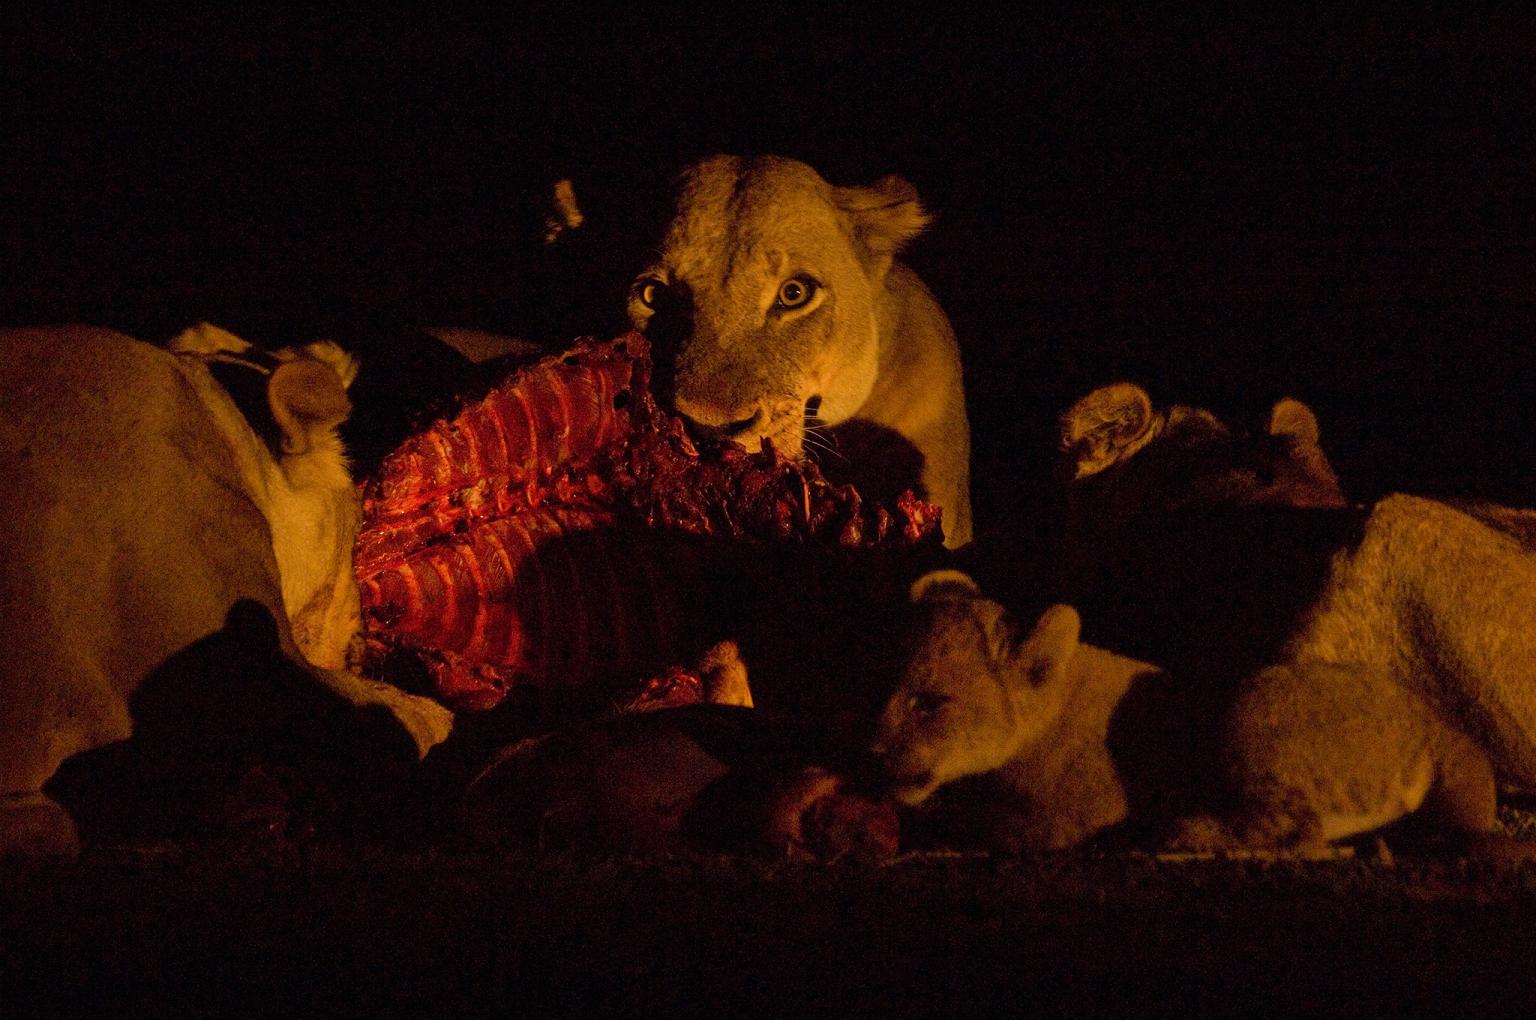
1309, 752
140, 506
1028, 711
872, 343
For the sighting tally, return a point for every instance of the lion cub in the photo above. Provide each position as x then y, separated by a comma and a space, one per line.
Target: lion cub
1047, 741
777, 307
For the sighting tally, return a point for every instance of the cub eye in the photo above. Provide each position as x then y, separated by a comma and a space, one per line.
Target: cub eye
796, 292
927, 703
649, 291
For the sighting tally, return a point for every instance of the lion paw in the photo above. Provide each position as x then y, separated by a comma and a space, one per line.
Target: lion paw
427, 721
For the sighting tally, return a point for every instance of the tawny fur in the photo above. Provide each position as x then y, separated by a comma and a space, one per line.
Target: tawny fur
1440, 597
871, 342
140, 506
1444, 604
1306, 752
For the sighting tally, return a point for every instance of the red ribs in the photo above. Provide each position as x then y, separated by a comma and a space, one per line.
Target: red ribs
545, 533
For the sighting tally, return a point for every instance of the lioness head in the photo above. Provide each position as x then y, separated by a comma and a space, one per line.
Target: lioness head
1123, 457
972, 691
760, 300
310, 501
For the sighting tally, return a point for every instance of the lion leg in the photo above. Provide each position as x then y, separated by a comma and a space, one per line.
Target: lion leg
1275, 828
1464, 803
1267, 814
1464, 797
426, 721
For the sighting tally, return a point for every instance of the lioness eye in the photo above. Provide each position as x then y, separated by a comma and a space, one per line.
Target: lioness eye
795, 291
649, 291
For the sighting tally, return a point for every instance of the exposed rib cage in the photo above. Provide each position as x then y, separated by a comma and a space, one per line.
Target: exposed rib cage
545, 535
546, 597
505, 452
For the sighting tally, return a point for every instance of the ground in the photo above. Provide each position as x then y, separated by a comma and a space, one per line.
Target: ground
211, 930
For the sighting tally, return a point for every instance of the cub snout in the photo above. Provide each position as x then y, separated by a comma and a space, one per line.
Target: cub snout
894, 773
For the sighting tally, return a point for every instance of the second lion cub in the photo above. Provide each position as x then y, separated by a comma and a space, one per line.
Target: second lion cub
1044, 742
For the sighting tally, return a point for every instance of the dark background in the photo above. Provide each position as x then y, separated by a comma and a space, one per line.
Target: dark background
1225, 211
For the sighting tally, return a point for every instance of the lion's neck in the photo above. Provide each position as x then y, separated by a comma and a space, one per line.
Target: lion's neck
917, 352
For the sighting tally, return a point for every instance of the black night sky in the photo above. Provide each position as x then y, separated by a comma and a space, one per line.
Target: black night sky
1225, 211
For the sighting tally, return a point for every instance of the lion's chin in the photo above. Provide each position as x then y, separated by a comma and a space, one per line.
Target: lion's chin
788, 441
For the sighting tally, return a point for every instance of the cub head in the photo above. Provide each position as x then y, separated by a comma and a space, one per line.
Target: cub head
761, 299
309, 499
1123, 457
972, 691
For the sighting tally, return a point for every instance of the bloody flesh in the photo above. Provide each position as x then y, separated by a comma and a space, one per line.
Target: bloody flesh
546, 533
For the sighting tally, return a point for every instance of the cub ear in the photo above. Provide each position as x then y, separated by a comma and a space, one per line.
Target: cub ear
939, 584
1045, 653
1290, 417
885, 216
1106, 427
561, 212
307, 398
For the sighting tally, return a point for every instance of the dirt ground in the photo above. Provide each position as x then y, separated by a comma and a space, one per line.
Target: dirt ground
214, 930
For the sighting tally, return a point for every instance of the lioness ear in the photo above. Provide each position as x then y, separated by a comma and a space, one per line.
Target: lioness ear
942, 584
1045, 653
1316, 484
1290, 417
885, 216
329, 353
1106, 427
306, 397
561, 213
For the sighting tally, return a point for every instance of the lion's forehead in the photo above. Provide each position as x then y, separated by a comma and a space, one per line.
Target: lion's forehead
950, 645
751, 225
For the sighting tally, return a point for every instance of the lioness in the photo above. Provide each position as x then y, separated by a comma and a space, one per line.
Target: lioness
142, 510
1059, 740
1244, 552
777, 306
